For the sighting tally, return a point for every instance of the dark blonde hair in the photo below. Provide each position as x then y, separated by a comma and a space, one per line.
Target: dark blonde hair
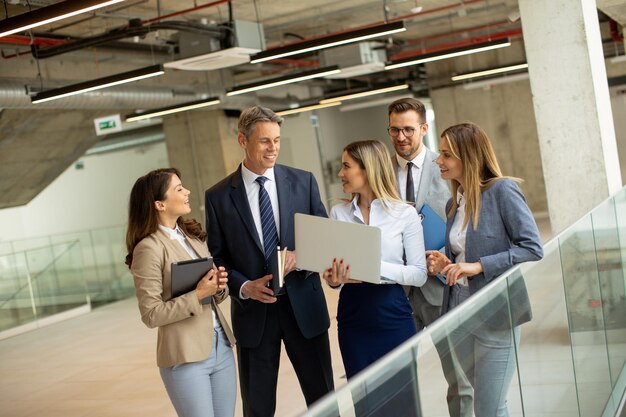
143, 219
469, 143
374, 158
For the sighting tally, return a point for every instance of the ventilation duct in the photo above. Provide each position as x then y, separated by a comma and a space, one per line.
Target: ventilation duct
355, 59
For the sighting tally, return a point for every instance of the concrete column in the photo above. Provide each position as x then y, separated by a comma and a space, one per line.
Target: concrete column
572, 106
203, 146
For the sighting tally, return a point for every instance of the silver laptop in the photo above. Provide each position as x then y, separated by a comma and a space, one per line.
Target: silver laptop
319, 240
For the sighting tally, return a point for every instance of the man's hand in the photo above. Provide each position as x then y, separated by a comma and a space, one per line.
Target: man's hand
290, 261
256, 289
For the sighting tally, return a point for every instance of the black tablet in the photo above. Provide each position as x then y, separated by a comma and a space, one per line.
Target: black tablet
187, 274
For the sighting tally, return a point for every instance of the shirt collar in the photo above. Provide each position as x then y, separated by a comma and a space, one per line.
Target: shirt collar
250, 177
174, 233
418, 161
356, 211
460, 198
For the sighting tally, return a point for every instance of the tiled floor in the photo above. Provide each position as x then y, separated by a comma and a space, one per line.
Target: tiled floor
104, 364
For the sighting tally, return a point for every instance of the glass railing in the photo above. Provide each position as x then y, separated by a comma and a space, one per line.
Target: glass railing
568, 360
39, 283
48, 275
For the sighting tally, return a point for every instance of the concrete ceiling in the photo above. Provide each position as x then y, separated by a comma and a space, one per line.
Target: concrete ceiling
36, 143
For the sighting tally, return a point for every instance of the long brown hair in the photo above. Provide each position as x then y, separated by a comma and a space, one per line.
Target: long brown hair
143, 219
469, 143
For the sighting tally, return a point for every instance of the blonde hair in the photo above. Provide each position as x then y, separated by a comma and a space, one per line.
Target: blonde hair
374, 158
469, 143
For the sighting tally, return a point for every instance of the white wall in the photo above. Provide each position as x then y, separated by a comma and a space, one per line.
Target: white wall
81, 199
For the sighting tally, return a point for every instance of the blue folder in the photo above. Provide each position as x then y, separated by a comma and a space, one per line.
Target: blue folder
434, 232
434, 228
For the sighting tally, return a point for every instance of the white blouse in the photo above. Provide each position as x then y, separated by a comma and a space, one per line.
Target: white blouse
401, 232
458, 234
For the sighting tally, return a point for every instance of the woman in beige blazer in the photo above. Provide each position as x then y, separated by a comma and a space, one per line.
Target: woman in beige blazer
194, 347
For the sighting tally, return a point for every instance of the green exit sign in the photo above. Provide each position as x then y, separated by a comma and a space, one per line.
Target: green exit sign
108, 124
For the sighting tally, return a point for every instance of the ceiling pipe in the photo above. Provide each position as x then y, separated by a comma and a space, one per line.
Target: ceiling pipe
134, 29
395, 19
615, 35
193, 9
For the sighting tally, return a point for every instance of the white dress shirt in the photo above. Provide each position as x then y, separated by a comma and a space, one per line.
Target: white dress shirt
177, 234
418, 162
458, 234
401, 232
252, 191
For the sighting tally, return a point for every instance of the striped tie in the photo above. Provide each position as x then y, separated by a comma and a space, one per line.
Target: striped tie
268, 225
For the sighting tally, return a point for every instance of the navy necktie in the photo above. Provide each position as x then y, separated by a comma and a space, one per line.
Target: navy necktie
410, 187
268, 225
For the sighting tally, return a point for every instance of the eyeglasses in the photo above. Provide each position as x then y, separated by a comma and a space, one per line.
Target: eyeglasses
408, 131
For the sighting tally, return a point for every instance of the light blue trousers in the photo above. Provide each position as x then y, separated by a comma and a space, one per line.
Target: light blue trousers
206, 388
487, 357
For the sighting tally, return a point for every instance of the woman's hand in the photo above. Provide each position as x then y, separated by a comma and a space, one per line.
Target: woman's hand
338, 274
455, 272
436, 261
215, 280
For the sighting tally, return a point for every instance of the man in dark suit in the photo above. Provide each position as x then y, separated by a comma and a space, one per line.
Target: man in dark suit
248, 214
420, 182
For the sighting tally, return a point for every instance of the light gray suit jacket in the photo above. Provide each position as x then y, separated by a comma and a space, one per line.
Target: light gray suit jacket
506, 235
435, 191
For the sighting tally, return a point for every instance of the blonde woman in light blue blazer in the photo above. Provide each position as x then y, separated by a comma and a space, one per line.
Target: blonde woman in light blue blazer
489, 230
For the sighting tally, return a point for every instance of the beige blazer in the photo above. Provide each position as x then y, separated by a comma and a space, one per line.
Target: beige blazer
185, 326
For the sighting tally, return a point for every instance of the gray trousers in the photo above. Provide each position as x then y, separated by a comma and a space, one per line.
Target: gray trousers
460, 392
207, 388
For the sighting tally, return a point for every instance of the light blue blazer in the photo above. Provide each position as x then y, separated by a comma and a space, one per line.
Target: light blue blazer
506, 236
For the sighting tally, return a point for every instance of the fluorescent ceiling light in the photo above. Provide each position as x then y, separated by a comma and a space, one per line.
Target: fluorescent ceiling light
329, 41
192, 105
307, 108
125, 77
490, 82
489, 72
287, 79
365, 93
49, 14
373, 103
451, 53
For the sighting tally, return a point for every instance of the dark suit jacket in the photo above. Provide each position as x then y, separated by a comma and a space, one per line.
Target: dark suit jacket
506, 236
234, 243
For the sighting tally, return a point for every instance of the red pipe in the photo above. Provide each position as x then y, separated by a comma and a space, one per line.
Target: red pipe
458, 44
26, 40
457, 32
395, 19
193, 9
615, 31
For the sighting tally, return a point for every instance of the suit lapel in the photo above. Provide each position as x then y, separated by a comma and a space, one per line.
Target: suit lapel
285, 198
240, 201
425, 179
173, 245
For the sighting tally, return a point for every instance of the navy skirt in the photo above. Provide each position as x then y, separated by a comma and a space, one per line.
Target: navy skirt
372, 320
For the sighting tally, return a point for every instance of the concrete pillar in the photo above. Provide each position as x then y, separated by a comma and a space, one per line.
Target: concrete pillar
203, 146
572, 106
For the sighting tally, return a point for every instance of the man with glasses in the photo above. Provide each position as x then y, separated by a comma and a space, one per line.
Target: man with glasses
420, 182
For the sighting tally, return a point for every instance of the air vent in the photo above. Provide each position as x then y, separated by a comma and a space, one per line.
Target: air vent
201, 53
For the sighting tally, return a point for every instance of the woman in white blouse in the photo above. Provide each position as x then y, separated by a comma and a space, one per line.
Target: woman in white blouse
373, 319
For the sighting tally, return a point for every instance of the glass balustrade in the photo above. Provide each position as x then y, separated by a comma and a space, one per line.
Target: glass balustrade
569, 360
